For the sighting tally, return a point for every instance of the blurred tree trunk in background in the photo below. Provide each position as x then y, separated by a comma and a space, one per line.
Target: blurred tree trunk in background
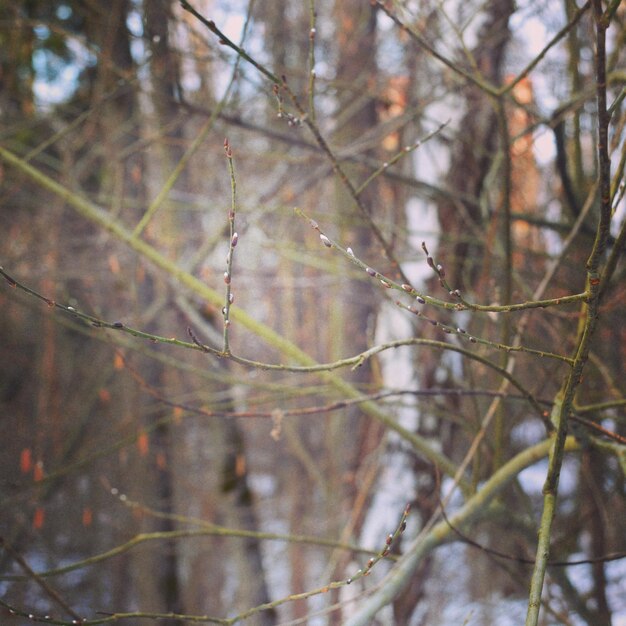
122, 179
354, 319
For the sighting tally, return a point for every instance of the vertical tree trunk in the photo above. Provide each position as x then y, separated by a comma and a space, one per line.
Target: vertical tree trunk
156, 573
354, 437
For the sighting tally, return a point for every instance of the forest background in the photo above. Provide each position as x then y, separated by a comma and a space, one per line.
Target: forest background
312, 312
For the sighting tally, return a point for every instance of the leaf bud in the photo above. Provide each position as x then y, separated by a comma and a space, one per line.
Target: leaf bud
325, 241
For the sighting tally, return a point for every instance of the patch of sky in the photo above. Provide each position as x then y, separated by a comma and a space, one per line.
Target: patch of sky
134, 24
231, 18
531, 34
619, 215
423, 225
390, 48
275, 555
263, 485
616, 590
553, 240
528, 432
396, 488
41, 31
64, 12
56, 78
532, 478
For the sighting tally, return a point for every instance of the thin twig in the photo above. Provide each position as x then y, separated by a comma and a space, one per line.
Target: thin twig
30, 573
233, 238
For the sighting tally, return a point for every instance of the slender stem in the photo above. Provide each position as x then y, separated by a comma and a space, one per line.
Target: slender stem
396, 157
460, 304
312, 35
233, 237
507, 278
589, 314
365, 213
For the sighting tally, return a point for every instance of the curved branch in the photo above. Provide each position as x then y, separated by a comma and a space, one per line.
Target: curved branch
400, 575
